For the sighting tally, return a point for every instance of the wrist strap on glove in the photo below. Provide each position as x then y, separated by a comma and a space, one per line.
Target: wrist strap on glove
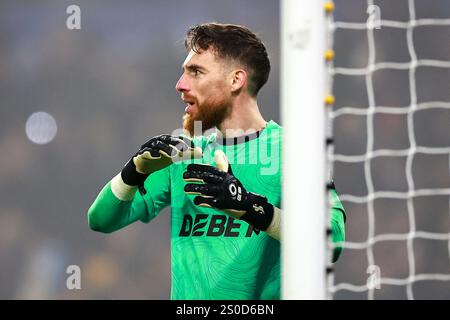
259, 211
130, 176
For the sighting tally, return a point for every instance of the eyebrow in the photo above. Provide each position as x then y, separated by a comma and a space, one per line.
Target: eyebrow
192, 67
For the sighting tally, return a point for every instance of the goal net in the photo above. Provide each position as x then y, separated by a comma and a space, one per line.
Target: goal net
390, 122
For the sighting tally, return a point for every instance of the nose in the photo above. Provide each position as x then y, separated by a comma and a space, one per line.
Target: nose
182, 84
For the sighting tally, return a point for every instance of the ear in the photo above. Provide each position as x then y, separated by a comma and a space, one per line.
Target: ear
238, 79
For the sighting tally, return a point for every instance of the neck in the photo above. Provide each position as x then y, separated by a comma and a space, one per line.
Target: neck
244, 118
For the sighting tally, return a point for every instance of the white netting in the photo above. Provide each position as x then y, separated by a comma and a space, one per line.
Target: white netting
398, 224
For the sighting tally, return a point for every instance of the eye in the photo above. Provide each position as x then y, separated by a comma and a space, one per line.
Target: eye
195, 72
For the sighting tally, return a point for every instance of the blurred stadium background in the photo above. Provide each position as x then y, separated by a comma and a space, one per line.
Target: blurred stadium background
110, 86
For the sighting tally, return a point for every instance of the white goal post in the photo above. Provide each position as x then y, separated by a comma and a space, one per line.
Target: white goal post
303, 117
408, 244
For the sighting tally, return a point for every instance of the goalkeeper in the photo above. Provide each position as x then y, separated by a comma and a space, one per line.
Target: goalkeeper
224, 188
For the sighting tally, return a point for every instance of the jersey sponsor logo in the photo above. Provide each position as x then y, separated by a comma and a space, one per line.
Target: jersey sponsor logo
215, 225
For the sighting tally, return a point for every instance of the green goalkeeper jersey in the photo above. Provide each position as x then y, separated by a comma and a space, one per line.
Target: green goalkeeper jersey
213, 255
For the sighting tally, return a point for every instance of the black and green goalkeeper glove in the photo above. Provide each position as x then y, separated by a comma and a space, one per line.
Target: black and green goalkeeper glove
220, 189
156, 154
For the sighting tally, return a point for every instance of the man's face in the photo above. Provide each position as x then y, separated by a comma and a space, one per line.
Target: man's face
205, 90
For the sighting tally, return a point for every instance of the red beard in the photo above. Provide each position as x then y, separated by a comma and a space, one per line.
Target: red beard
209, 115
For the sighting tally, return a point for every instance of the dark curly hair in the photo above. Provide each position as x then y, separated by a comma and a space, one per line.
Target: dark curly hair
233, 42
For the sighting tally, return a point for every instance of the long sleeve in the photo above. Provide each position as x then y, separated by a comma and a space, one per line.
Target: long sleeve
108, 213
337, 224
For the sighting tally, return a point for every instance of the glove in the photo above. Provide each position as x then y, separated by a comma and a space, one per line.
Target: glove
220, 189
156, 154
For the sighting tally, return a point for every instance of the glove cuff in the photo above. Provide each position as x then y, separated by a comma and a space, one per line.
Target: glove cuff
130, 176
259, 212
